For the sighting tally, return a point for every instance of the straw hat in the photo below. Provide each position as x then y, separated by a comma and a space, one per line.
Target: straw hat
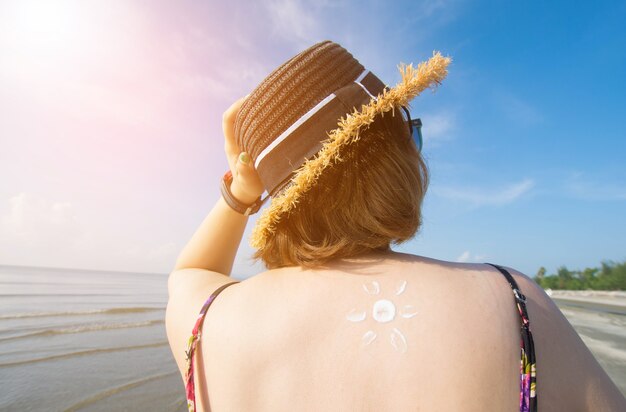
294, 124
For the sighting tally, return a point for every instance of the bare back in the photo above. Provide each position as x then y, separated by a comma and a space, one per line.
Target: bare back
394, 332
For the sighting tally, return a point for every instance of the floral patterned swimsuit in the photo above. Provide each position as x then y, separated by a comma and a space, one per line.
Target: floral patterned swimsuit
528, 373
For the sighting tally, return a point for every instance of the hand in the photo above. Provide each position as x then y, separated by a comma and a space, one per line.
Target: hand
246, 185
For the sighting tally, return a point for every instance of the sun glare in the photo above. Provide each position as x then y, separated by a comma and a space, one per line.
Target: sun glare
43, 26
71, 39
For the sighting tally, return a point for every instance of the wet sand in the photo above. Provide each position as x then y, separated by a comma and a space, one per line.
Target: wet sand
600, 320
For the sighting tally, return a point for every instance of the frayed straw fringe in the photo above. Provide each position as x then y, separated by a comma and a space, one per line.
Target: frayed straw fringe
414, 81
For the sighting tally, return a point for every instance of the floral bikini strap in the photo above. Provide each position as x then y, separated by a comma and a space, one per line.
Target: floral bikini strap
528, 363
191, 348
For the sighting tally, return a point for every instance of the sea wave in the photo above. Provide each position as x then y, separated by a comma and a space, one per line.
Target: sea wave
84, 328
83, 353
112, 391
109, 311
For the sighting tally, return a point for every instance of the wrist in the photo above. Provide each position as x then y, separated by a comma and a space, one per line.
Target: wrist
242, 201
241, 195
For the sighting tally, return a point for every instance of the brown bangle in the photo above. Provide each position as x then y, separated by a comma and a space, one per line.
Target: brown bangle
235, 204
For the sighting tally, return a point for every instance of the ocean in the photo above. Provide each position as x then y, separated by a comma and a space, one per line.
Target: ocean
77, 340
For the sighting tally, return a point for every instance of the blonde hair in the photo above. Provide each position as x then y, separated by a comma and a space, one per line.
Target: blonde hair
371, 199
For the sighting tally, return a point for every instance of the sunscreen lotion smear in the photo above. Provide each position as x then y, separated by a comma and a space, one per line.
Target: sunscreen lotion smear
384, 311
356, 316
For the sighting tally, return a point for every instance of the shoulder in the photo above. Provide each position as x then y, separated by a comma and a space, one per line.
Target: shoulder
235, 312
188, 290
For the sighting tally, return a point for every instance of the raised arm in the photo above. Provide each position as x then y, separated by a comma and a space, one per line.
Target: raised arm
214, 244
205, 262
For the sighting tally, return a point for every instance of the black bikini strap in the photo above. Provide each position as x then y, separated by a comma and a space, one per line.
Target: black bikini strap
528, 363
519, 297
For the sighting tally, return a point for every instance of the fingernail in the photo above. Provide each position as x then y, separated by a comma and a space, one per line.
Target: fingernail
244, 158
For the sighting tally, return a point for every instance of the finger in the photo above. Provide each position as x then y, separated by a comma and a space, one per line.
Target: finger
228, 123
244, 166
230, 114
247, 174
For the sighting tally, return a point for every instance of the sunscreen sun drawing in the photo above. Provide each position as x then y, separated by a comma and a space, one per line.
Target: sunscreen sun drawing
383, 311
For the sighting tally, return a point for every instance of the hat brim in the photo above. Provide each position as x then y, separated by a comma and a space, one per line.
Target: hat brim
428, 74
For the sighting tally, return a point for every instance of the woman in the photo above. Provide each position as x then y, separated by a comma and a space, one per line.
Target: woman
339, 321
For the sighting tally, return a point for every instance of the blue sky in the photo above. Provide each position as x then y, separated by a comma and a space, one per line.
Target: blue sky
111, 133
533, 172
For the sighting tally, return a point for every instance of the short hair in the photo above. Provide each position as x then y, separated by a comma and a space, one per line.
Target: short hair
371, 199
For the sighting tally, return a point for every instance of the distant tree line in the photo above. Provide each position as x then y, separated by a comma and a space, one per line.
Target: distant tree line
609, 276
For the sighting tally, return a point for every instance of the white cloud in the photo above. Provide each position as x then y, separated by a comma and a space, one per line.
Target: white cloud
302, 22
199, 47
32, 220
582, 187
292, 19
35, 230
466, 256
517, 109
437, 127
482, 197
463, 257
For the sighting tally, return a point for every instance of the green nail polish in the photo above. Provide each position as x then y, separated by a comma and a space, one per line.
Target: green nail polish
244, 158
